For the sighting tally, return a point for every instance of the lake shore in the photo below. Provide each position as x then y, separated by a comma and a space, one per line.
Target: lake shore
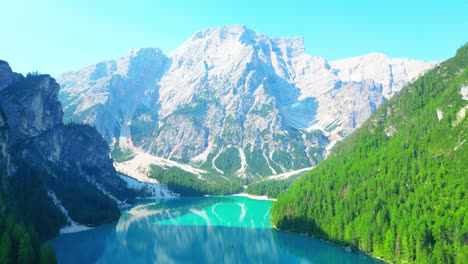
255, 197
74, 228
331, 243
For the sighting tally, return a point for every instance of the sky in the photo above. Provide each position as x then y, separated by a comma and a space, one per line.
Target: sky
55, 36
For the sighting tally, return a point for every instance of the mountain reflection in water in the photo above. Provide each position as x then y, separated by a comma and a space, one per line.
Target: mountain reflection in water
223, 229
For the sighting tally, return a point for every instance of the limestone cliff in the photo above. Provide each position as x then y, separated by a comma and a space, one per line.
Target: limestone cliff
229, 91
71, 162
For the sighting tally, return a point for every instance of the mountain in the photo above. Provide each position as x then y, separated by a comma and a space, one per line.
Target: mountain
232, 102
53, 174
396, 187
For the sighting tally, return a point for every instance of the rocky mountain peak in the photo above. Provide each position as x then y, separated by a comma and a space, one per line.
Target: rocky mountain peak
237, 32
392, 73
263, 100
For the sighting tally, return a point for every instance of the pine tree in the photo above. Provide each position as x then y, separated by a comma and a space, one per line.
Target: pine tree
6, 255
389, 244
25, 250
48, 254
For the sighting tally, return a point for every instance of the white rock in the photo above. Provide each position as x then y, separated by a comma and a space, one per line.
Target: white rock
230, 86
440, 114
464, 92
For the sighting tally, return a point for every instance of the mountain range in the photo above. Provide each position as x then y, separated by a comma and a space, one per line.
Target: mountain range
230, 101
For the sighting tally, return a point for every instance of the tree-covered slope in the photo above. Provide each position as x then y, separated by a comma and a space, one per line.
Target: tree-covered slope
26, 219
396, 188
272, 188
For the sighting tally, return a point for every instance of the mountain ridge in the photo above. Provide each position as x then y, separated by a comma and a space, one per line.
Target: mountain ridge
232, 90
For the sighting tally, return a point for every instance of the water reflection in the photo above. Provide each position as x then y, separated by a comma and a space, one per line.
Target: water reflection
196, 230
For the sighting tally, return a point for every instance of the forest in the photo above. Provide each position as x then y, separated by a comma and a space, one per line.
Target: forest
21, 230
396, 188
188, 184
270, 187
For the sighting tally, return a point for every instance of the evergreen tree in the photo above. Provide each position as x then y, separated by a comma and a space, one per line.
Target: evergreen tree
48, 254
6, 250
25, 250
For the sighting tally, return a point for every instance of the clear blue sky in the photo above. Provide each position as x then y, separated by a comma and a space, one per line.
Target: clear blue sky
54, 36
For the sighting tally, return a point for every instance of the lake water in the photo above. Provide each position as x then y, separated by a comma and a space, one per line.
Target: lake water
223, 229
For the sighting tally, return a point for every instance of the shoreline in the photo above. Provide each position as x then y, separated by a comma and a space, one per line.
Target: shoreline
255, 197
74, 229
331, 243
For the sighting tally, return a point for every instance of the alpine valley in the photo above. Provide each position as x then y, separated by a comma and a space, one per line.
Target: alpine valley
228, 107
368, 153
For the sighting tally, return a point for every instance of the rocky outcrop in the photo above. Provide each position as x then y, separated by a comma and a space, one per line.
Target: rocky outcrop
80, 151
72, 161
132, 79
31, 106
4, 149
230, 91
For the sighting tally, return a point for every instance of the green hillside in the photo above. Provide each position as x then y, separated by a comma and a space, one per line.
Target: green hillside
396, 188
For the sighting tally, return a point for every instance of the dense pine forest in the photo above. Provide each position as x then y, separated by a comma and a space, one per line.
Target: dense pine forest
21, 229
188, 184
271, 188
396, 188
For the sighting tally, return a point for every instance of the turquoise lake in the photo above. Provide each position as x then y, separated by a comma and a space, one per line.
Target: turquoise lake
221, 229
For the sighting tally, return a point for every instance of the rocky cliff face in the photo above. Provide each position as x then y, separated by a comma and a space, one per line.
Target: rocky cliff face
230, 92
80, 152
7, 76
72, 161
4, 147
31, 106
132, 78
